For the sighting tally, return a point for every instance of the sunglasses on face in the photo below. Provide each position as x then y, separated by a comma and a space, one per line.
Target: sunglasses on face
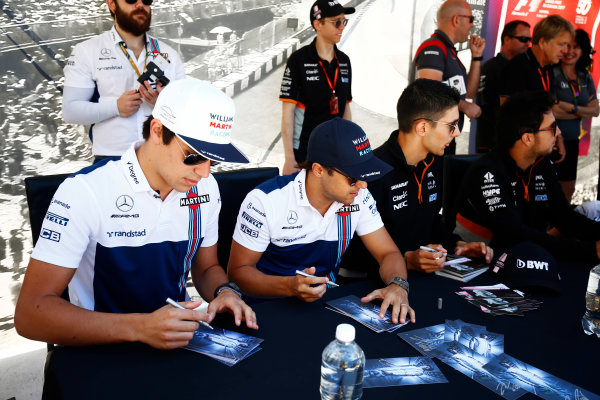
452, 125
337, 22
191, 159
351, 181
471, 18
522, 39
145, 2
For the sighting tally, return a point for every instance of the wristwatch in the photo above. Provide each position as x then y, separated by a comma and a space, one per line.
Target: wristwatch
227, 286
403, 283
574, 109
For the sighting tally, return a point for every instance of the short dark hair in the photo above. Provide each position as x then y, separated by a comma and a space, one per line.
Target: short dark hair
424, 98
510, 29
167, 135
583, 41
522, 112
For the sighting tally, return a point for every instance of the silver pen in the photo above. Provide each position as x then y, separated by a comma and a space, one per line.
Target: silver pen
177, 305
298, 272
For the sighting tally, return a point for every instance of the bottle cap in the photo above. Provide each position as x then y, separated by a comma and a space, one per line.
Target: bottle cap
345, 333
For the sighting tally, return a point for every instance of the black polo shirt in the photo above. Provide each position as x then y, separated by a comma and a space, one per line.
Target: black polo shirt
499, 200
411, 220
304, 83
521, 73
488, 98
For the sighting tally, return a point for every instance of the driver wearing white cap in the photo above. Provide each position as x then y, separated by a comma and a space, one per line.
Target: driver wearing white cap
124, 235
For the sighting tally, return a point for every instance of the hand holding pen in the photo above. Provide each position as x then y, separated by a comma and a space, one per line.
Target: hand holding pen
176, 304
308, 288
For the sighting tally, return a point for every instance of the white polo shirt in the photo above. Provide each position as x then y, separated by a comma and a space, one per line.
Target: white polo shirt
131, 249
100, 62
277, 220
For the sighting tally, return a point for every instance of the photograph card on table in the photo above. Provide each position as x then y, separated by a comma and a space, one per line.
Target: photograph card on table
401, 371
365, 313
226, 346
535, 380
425, 340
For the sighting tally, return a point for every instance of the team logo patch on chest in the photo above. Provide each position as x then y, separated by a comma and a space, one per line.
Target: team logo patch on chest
193, 200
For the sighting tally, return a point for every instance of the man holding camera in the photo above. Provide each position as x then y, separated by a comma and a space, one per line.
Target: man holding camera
112, 80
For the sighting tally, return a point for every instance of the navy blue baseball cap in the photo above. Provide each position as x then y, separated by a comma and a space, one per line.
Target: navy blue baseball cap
527, 265
328, 8
344, 145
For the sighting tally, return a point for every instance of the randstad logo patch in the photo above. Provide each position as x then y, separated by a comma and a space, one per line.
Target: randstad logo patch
532, 264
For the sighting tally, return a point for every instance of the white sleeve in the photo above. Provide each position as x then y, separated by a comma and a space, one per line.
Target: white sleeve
79, 69
252, 229
68, 225
369, 219
78, 109
210, 218
176, 66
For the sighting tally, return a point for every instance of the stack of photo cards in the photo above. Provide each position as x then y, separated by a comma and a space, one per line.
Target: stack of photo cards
479, 354
465, 347
462, 272
365, 313
225, 346
498, 300
401, 371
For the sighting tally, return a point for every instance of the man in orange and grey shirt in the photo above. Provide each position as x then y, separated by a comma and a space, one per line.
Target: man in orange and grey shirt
316, 83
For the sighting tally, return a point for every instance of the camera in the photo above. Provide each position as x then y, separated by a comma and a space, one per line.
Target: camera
155, 72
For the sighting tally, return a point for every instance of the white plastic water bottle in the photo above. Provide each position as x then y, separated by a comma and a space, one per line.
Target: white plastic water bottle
342, 366
591, 319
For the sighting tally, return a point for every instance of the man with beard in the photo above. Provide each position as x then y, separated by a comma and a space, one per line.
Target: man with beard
101, 79
512, 194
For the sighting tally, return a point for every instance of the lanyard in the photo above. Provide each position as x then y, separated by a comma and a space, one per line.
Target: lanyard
545, 83
572, 84
419, 183
526, 185
123, 47
337, 70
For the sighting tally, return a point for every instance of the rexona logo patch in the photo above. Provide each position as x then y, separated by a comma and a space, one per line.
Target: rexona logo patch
193, 200
348, 208
532, 264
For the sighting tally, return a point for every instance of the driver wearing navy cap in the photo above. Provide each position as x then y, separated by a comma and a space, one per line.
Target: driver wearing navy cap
304, 222
124, 235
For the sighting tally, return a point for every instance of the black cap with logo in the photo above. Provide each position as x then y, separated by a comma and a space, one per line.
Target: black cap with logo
328, 8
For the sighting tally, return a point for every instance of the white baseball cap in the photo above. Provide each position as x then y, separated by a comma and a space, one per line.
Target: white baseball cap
202, 116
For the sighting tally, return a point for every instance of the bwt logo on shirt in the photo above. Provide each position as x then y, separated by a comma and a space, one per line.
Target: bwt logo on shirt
532, 264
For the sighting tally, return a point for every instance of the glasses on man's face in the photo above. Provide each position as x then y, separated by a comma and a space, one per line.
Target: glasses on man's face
522, 39
453, 125
471, 18
191, 159
351, 181
337, 22
145, 2
551, 129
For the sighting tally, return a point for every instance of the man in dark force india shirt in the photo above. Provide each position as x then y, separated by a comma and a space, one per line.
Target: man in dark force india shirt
512, 194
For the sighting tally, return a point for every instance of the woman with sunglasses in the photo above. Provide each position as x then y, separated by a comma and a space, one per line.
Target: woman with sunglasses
576, 94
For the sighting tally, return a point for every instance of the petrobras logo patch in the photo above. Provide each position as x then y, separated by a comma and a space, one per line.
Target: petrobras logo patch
57, 219
50, 235
220, 127
193, 200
